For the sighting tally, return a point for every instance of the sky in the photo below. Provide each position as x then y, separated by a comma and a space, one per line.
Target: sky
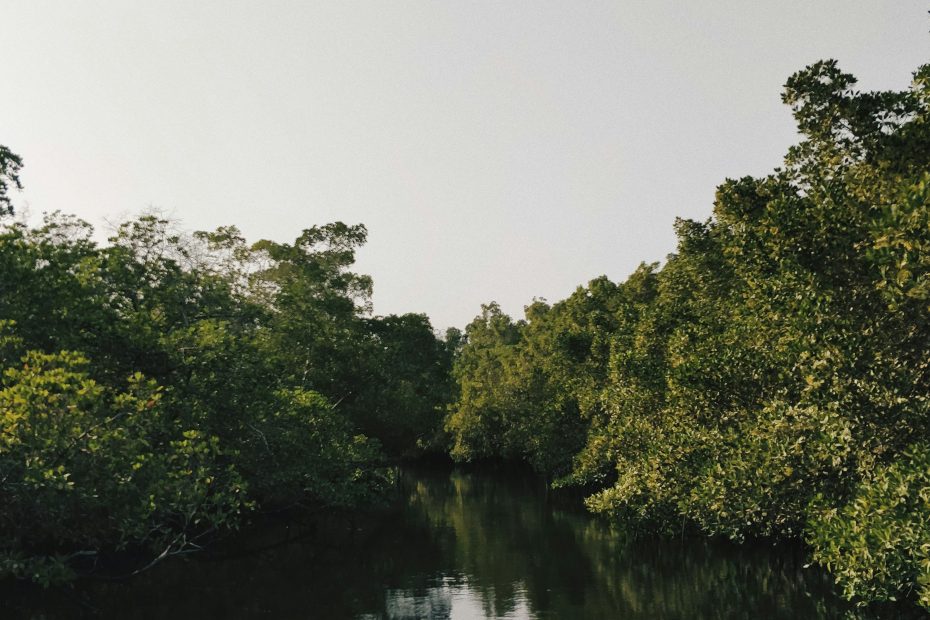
495, 150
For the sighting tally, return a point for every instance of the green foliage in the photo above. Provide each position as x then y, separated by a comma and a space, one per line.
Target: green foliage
10, 164
304, 448
255, 379
769, 378
527, 388
409, 383
388, 375
786, 340
476, 420
878, 544
85, 466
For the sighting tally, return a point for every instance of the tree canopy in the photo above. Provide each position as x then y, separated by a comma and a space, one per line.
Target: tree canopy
160, 388
770, 379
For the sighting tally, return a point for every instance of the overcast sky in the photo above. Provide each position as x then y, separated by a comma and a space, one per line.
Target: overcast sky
496, 150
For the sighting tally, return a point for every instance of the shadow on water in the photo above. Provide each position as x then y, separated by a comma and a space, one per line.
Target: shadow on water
459, 545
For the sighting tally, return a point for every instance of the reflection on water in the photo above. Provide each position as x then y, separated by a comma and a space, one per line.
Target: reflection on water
460, 546
447, 598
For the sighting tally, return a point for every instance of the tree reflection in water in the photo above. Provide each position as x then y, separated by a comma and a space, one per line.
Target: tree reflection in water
462, 546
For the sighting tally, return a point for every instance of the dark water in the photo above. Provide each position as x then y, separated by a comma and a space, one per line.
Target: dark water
460, 546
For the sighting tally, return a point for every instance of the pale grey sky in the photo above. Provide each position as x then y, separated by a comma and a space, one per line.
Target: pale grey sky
495, 150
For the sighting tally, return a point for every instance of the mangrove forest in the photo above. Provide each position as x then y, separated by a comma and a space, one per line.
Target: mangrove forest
768, 382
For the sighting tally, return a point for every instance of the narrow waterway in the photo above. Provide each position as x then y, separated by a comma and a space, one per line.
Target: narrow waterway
463, 546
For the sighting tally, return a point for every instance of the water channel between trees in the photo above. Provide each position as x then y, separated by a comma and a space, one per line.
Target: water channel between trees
460, 545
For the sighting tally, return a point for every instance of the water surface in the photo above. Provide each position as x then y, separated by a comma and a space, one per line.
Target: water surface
466, 546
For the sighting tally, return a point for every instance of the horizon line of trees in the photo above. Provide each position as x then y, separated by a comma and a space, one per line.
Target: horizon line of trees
771, 379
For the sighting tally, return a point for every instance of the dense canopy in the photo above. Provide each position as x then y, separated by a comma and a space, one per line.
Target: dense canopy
159, 389
771, 378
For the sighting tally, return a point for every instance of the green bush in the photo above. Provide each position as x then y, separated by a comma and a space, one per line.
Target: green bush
878, 544
87, 468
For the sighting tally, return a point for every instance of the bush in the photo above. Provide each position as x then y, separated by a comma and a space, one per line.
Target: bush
86, 468
878, 544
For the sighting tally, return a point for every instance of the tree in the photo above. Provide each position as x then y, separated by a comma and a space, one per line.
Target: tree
10, 164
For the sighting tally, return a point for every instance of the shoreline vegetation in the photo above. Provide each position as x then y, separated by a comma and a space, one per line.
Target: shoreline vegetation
769, 380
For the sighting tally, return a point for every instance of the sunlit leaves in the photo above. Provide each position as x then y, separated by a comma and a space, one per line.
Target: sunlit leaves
878, 543
780, 357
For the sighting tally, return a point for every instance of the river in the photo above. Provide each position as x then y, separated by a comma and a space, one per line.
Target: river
463, 546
